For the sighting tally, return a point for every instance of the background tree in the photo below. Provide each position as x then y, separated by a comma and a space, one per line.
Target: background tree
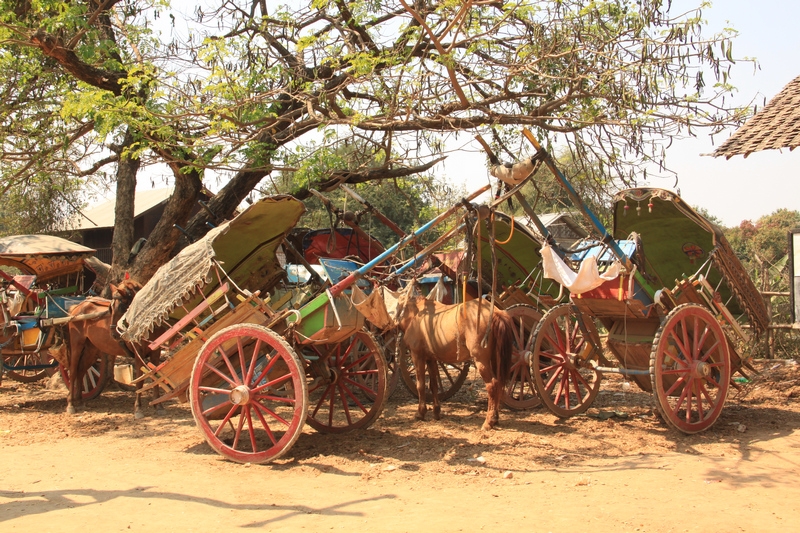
763, 248
237, 85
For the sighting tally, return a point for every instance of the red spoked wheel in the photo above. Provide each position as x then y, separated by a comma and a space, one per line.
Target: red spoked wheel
520, 391
15, 366
348, 383
565, 380
690, 368
94, 381
248, 394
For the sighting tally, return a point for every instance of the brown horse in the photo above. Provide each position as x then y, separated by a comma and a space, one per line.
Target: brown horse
452, 334
90, 339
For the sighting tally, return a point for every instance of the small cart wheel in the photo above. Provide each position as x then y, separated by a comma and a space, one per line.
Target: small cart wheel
451, 376
348, 383
94, 381
564, 378
520, 391
248, 394
32, 359
690, 368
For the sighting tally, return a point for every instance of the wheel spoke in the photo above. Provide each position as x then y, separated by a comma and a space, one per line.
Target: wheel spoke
252, 368
698, 395
271, 362
352, 396
686, 342
273, 383
579, 377
678, 382
225, 420
214, 390
238, 433
250, 428
345, 407
563, 389
228, 363
271, 413
683, 361
214, 369
714, 348
553, 377
240, 351
322, 399
264, 423
704, 391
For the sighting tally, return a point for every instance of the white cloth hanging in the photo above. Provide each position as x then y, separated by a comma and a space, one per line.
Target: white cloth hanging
587, 278
438, 292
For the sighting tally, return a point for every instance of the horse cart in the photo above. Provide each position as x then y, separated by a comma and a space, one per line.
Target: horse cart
42, 277
668, 296
256, 363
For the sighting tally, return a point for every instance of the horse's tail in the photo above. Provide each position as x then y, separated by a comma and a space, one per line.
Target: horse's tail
503, 333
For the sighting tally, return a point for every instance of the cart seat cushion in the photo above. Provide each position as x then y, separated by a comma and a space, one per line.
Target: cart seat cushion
587, 278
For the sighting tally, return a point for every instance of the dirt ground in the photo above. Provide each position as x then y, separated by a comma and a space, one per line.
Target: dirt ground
618, 468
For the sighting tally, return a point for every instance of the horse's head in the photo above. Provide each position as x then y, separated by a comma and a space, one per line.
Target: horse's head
407, 305
122, 296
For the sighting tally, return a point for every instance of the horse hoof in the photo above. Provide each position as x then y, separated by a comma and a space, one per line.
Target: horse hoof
138, 414
487, 427
437, 415
419, 417
71, 410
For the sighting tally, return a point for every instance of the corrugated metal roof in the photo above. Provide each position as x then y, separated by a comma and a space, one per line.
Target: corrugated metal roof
23, 245
102, 215
776, 126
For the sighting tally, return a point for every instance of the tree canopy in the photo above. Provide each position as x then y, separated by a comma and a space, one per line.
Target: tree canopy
230, 90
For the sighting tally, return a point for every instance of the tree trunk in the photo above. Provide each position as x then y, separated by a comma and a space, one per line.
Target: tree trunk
162, 240
225, 202
122, 240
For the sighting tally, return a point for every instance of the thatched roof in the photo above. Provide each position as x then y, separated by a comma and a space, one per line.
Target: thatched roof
775, 126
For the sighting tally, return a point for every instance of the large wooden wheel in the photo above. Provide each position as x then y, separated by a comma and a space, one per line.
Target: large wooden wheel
248, 394
690, 368
347, 383
29, 360
520, 391
451, 376
94, 381
565, 380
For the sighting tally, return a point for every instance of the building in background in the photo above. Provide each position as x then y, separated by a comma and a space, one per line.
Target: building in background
95, 226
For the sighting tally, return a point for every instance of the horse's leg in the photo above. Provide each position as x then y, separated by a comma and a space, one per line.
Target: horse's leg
493, 390
74, 395
433, 375
419, 365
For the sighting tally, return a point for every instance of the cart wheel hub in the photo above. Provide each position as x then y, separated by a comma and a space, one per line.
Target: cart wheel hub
701, 370
240, 395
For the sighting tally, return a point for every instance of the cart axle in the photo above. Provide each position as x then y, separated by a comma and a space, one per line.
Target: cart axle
623, 371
